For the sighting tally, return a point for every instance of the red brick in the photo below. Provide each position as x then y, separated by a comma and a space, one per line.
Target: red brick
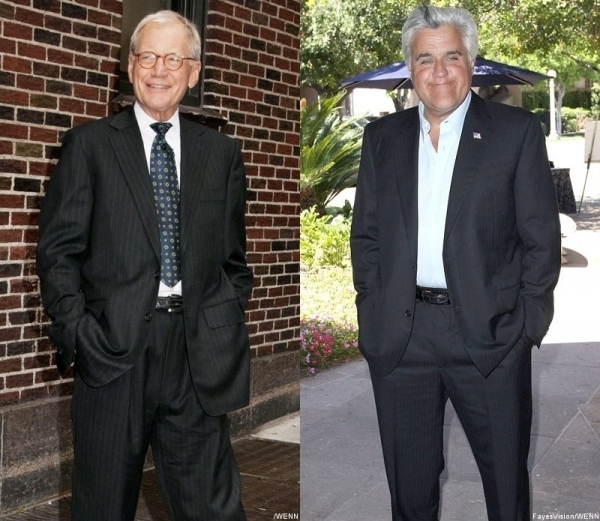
31, 235
17, 31
11, 63
35, 362
22, 252
112, 6
47, 375
35, 18
6, 147
11, 201
31, 300
24, 285
86, 62
95, 109
10, 236
8, 46
80, 120
71, 105
13, 97
30, 82
109, 35
86, 93
32, 332
35, 393
19, 380
60, 57
109, 67
74, 44
10, 365
45, 135
9, 398
48, 70
99, 17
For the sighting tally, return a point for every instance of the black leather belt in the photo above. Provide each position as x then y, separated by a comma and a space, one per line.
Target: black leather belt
172, 303
436, 296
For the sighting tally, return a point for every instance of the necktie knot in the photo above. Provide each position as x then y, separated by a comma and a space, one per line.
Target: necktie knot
161, 128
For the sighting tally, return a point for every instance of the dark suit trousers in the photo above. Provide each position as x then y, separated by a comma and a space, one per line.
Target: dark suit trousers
153, 403
495, 413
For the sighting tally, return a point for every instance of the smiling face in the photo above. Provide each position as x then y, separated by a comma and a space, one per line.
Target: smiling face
158, 90
440, 71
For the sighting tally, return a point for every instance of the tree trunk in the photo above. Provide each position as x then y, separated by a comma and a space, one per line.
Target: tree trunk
561, 88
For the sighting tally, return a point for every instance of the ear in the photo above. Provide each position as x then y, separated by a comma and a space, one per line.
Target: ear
194, 74
130, 65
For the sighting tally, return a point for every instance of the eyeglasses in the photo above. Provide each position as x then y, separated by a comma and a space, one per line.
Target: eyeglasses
173, 61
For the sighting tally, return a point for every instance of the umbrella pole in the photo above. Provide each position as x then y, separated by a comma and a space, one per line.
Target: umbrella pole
589, 162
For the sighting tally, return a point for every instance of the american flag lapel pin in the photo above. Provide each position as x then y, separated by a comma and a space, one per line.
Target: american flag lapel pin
476, 135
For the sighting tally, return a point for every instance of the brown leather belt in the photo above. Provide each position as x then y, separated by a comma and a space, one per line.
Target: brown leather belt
436, 296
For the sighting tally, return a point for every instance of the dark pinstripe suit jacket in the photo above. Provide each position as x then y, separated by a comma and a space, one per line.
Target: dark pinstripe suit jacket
501, 248
98, 257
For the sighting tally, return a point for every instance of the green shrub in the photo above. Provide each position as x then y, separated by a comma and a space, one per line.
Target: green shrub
328, 326
573, 120
324, 241
535, 99
540, 99
577, 98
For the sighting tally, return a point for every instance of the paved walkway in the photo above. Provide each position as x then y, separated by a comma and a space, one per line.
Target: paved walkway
342, 470
269, 465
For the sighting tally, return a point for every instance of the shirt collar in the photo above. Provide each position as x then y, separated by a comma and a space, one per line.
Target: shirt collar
455, 120
144, 121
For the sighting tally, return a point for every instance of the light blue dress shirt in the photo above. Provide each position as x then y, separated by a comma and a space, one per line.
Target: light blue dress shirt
435, 177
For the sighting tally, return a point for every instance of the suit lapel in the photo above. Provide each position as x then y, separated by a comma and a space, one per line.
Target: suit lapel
406, 166
127, 143
471, 150
195, 150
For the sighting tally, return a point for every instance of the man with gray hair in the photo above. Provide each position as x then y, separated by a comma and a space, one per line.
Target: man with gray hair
456, 252
143, 274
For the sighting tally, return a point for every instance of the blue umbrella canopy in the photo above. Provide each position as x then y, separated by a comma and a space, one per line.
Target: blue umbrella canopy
487, 72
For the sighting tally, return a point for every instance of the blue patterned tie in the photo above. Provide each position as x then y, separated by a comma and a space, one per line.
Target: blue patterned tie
166, 197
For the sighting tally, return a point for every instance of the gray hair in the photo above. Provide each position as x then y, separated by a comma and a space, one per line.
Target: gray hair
431, 17
165, 17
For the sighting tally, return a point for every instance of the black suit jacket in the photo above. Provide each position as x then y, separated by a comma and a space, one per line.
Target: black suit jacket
98, 256
501, 248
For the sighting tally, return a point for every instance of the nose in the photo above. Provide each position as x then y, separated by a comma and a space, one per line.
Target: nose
159, 67
440, 68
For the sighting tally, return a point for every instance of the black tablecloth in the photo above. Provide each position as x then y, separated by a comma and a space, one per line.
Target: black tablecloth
564, 190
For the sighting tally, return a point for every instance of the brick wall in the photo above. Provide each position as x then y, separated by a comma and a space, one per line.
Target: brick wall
59, 65
59, 68
252, 77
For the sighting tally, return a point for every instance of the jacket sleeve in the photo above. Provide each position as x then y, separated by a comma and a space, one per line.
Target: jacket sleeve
538, 226
236, 267
364, 236
62, 247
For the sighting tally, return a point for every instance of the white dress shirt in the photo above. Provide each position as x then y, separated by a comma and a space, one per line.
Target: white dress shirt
173, 137
435, 177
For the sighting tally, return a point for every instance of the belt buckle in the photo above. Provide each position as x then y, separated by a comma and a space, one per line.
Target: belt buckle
433, 297
172, 303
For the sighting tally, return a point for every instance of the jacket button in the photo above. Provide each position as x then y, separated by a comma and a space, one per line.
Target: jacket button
157, 274
148, 317
408, 313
